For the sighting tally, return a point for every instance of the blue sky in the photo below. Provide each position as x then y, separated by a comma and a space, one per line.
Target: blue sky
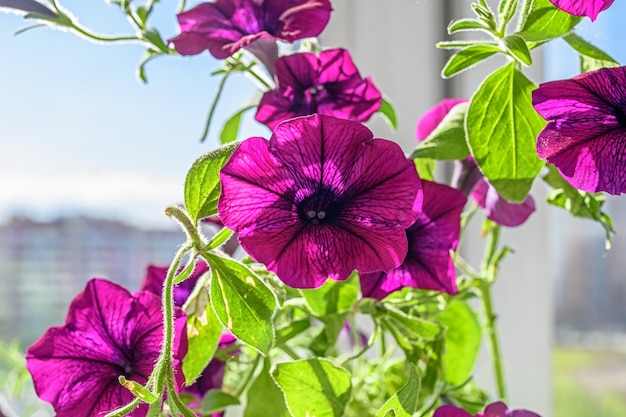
79, 133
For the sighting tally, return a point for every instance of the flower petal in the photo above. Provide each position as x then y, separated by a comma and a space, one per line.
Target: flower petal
450, 411
431, 119
589, 8
585, 135
108, 332
500, 210
428, 264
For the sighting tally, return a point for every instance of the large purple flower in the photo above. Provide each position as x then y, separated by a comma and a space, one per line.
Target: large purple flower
108, 332
225, 26
497, 409
320, 199
428, 264
328, 83
470, 180
589, 8
585, 136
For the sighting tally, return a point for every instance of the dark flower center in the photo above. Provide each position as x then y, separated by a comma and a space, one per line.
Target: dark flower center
321, 207
620, 116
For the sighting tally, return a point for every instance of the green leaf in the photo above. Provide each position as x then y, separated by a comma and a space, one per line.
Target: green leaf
507, 11
578, 203
291, 330
425, 168
243, 303
215, 401
153, 36
591, 57
502, 127
333, 297
466, 58
412, 326
546, 22
325, 343
389, 113
265, 399
516, 45
447, 141
404, 402
203, 334
202, 185
466, 24
231, 127
220, 237
462, 341
314, 387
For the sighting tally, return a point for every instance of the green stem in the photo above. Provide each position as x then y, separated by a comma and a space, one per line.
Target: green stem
246, 382
260, 79
207, 125
188, 226
494, 343
124, 410
489, 269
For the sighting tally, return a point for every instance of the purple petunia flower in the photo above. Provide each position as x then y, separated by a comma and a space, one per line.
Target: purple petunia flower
470, 180
225, 26
108, 332
328, 83
320, 199
155, 278
586, 129
589, 8
497, 409
428, 264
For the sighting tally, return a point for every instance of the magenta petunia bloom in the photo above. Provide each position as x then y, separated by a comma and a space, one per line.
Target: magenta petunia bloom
497, 409
428, 264
108, 332
225, 26
155, 278
586, 129
320, 199
589, 8
470, 180
328, 83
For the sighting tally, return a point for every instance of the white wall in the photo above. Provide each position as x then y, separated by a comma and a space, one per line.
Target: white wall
393, 41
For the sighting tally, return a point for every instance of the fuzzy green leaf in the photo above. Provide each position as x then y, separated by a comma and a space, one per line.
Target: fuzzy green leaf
404, 402
242, 302
502, 127
202, 185
314, 387
468, 57
546, 22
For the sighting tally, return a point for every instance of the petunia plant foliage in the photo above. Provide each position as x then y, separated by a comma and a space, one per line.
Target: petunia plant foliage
319, 272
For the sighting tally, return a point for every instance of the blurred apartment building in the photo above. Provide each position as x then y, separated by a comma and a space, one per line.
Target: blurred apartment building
590, 293
43, 265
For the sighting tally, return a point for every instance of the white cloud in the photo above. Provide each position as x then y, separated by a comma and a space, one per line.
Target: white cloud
131, 196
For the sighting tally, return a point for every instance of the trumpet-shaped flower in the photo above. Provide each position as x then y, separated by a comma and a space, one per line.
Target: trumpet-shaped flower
108, 332
589, 8
328, 83
497, 409
471, 181
586, 130
320, 199
225, 26
428, 264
